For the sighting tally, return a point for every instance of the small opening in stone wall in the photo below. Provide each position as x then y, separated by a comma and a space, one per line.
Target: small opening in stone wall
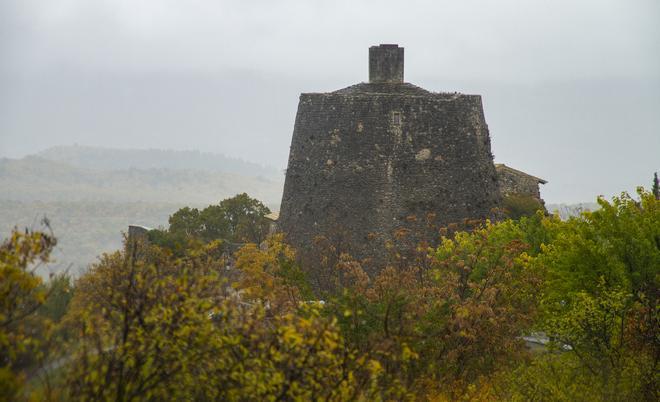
396, 118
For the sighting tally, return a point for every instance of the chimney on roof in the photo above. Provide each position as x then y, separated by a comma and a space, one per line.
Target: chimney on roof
386, 64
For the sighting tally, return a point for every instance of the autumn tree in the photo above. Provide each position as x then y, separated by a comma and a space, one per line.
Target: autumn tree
142, 319
177, 317
445, 318
21, 295
600, 306
270, 274
155, 326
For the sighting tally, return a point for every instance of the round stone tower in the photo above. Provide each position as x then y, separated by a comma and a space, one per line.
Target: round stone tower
377, 158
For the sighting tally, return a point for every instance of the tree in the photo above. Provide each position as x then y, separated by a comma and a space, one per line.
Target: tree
142, 318
656, 186
187, 221
154, 326
517, 206
245, 218
60, 292
153, 322
270, 275
600, 304
239, 219
21, 295
444, 320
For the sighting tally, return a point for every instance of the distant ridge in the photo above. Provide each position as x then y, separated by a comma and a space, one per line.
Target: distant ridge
90, 195
35, 178
99, 158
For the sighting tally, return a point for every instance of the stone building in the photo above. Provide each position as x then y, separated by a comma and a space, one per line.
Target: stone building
384, 156
138, 233
272, 221
516, 182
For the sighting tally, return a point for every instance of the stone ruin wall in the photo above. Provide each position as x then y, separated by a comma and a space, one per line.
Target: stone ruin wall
363, 165
518, 184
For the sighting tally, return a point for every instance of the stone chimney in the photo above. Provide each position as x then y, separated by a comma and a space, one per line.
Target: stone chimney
386, 64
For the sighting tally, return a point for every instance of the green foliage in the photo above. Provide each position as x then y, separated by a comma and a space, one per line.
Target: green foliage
179, 318
244, 218
270, 273
141, 323
602, 293
619, 243
157, 327
187, 222
21, 295
239, 219
442, 324
60, 292
517, 206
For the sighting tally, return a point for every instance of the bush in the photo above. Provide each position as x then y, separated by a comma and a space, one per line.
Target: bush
517, 206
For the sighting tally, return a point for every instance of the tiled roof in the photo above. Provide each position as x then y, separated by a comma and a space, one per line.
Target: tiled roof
501, 166
273, 216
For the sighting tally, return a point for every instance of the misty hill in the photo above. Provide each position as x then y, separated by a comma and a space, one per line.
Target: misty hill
115, 159
91, 195
35, 178
84, 229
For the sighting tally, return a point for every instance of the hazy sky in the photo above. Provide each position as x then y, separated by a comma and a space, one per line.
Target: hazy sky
571, 89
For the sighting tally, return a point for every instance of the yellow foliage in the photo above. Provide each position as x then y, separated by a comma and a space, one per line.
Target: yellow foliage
21, 294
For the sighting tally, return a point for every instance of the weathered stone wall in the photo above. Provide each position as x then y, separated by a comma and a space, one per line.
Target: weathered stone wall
373, 158
386, 64
517, 184
137, 233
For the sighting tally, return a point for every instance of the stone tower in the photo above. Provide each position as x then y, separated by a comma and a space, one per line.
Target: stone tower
376, 157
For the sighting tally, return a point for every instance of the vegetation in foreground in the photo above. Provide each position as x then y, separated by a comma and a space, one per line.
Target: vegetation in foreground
183, 318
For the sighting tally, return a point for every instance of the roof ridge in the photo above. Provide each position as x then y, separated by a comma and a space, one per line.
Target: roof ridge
502, 165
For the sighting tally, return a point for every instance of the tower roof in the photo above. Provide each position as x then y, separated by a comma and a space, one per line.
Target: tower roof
402, 88
386, 77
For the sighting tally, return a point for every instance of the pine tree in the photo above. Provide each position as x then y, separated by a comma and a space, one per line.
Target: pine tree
656, 186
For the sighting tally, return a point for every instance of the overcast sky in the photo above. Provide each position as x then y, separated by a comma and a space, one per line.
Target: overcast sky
571, 89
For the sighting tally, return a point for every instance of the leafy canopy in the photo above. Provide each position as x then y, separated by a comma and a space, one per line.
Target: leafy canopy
239, 219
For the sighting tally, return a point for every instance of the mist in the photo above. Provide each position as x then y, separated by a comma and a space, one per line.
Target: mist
571, 91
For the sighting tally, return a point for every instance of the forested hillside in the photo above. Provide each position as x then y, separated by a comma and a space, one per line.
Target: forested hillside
34, 178
84, 229
113, 159
91, 195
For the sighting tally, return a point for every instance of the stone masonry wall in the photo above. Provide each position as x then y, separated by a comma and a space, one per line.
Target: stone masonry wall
386, 64
365, 161
517, 184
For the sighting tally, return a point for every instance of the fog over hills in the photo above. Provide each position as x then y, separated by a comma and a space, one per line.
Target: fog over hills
99, 174
113, 159
34, 178
90, 195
